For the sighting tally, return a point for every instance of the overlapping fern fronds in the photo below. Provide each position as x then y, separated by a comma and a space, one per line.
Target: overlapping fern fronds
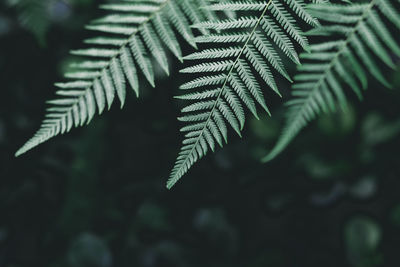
246, 48
132, 32
358, 37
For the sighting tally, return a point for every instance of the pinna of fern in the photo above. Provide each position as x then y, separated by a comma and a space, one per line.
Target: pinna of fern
127, 36
357, 37
245, 49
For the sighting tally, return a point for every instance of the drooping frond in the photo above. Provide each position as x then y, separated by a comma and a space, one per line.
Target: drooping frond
357, 37
246, 48
129, 35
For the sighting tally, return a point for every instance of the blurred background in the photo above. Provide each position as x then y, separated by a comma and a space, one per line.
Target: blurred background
97, 198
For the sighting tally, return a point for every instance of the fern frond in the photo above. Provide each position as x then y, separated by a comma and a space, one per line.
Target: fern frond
357, 37
246, 45
129, 35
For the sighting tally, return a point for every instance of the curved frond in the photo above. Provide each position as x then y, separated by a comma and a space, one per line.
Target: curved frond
249, 47
357, 38
129, 35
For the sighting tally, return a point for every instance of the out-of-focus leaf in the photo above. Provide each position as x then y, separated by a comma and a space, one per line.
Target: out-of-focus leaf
318, 168
34, 16
265, 129
364, 188
152, 216
338, 124
89, 250
395, 216
376, 130
362, 238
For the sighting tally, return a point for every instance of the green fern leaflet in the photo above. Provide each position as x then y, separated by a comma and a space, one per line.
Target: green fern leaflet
357, 36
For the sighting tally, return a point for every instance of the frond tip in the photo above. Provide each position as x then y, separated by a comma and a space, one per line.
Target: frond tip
132, 32
357, 36
252, 48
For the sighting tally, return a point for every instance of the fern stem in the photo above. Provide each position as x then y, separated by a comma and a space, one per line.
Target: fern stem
172, 181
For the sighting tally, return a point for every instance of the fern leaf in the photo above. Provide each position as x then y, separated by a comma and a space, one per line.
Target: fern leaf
248, 47
128, 35
359, 37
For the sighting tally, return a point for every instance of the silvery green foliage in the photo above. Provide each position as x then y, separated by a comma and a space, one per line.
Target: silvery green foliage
246, 48
132, 33
245, 51
357, 37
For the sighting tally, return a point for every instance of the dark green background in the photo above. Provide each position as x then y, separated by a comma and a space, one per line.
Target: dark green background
97, 196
